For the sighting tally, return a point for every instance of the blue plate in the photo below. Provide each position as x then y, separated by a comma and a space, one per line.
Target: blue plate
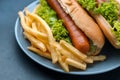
112, 61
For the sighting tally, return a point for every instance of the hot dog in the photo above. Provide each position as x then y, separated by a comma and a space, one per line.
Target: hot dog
106, 13
78, 38
83, 31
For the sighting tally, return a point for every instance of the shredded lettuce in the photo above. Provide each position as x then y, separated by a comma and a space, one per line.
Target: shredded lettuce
116, 31
92, 47
109, 10
88, 4
56, 25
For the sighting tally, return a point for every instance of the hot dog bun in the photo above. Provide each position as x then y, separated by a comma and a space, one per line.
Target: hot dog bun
84, 22
106, 28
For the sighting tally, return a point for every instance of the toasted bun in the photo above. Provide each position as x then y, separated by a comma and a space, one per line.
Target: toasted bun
84, 22
106, 28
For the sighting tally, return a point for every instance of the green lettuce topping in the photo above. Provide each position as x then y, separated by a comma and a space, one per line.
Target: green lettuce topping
116, 31
92, 47
56, 25
109, 10
88, 4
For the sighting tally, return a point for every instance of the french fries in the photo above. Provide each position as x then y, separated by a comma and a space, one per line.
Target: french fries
73, 50
75, 64
35, 42
37, 31
41, 36
39, 52
61, 60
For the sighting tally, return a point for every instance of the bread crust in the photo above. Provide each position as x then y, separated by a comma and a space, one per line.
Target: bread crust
83, 20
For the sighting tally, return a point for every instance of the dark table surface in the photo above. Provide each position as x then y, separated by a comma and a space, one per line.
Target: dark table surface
15, 65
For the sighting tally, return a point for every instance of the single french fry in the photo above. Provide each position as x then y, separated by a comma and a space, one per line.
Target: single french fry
73, 50
88, 60
35, 42
75, 64
98, 58
39, 52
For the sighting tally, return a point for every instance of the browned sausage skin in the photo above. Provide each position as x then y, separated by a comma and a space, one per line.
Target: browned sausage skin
78, 38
